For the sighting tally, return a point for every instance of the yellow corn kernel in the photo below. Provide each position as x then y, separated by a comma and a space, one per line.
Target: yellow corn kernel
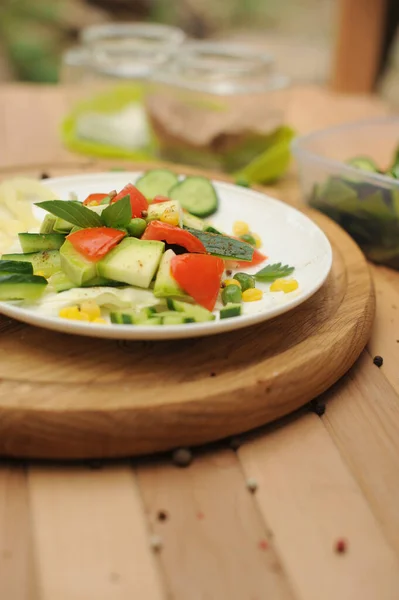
92, 309
94, 203
240, 228
257, 240
252, 295
83, 316
171, 217
39, 273
100, 321
231, 282
284, 285
70, 312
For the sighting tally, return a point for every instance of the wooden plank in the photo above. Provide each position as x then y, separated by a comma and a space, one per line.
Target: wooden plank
215, 544
90, 535
362, 416
17, 575
310, 500
384, 339
359, 44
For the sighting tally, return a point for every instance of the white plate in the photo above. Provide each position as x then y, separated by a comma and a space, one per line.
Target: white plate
288, 236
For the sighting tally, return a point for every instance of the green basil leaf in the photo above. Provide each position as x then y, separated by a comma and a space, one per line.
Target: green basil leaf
118, 214
273, 272
73, 212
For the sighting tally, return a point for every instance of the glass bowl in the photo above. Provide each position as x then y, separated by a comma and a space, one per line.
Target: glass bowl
360, 196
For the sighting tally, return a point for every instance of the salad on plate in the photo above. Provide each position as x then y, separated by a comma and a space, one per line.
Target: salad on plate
144, 255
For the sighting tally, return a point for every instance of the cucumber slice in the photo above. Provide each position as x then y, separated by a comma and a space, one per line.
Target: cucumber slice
47, 262
62, 226
197, 195
156, 182
60, 282
15, 266
194, 222
48, 223
21, 287
230, 310
38, 242
198, 313
210, 229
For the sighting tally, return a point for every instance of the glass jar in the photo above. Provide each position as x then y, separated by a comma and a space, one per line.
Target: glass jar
216, 105
109, 72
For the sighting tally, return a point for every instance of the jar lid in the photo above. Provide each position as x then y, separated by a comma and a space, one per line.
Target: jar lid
220, 68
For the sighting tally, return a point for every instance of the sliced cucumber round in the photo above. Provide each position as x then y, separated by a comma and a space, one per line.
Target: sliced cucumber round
197, 195
157, 182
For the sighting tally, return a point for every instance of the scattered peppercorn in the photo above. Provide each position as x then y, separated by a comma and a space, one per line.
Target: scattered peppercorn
182, 457
341, 546
212, 374
112, 194
235, 442
252, 485
318, 407
162, 515
229, 272
378, 360
44, 176
222, 285
155, 543
144, 213
263, 545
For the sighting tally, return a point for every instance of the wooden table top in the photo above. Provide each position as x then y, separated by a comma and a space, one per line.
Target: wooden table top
149, 530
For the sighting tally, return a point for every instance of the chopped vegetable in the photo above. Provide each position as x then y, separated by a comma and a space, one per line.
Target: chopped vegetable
138, 202
284, 285
199, 275
249, 238
156, 182
224, 246
197, 195
252, 295
95, 242
231, 294
94, 199
230, 310
173, 235
246, 281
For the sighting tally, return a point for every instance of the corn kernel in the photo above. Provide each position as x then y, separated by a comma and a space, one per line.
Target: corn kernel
240, 228
92, 309
99, 321
39, 273
70, 312
232, 282
252, 295
171, 217
94, 203
83, 316
284, 285
257, 240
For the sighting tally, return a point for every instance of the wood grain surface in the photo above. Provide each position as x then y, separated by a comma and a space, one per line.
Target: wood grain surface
84, 532
131, 398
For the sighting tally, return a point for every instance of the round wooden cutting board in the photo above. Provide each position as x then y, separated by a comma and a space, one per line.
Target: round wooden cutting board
66, 397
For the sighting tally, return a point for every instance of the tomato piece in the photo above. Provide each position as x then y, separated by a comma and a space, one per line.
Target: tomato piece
160, 199
95, 242
156, 230
138, 201
94, 199
199, 275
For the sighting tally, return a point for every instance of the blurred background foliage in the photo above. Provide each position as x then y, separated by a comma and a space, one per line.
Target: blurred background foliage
299, 33
34, 33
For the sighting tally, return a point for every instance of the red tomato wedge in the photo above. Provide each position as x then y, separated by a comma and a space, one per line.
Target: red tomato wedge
156, 230
95, 242
160, 199
199, 275
138, 202
94, 199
